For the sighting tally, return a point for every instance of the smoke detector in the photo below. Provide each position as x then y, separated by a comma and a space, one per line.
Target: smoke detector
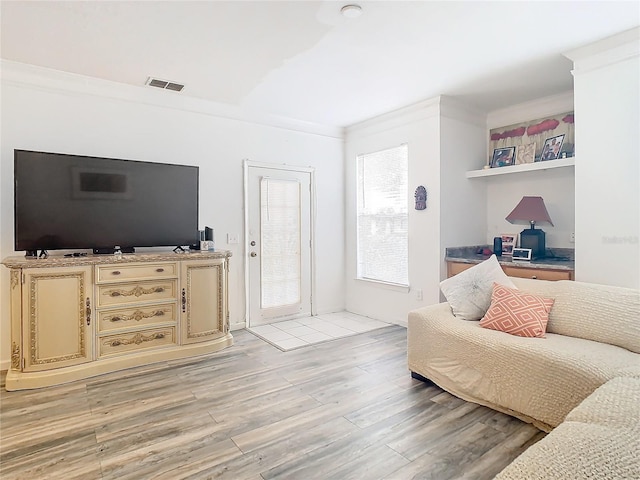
164, 84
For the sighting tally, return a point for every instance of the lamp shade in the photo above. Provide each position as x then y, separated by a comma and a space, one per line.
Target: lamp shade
530, 210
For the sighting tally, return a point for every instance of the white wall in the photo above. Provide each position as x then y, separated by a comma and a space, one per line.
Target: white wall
607, 99
49, 111
555, 186
463, 212
443, 139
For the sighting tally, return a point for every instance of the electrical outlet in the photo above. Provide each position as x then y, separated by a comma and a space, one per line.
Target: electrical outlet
572, 237
419, 294
232, 238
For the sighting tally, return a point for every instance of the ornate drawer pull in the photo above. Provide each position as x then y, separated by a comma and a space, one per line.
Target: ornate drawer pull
184, 301
138, 291
115, 272
138, 338
88, 311
137, 316
159, 270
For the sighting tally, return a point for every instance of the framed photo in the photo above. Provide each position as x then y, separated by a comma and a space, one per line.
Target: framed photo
503, 157
552, 147
525, 153
509, 241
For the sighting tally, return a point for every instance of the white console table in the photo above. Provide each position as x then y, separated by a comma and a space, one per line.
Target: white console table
75, 317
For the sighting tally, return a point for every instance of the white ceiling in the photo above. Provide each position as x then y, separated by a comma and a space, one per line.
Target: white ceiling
303, 60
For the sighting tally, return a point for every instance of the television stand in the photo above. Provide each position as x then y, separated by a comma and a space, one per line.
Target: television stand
43, 254
76, 317
179, 249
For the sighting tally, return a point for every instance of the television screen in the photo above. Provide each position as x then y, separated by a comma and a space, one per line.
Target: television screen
71, 201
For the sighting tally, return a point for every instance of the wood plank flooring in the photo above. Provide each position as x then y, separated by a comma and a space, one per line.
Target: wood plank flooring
346, 409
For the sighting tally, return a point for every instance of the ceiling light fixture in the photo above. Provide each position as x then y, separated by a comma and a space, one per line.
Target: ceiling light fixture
351, 11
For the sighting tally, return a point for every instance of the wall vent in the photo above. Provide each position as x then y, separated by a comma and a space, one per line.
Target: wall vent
164, 84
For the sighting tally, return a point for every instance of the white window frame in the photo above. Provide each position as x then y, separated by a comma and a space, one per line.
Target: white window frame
402, 218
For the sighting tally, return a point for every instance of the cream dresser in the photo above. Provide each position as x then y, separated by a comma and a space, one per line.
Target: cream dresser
74, 317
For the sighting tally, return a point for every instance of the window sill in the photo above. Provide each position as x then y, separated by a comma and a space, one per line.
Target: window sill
385, 285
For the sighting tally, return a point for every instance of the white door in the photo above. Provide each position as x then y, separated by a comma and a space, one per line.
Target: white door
278, 243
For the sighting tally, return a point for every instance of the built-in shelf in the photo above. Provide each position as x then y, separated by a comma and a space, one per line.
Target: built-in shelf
526, 167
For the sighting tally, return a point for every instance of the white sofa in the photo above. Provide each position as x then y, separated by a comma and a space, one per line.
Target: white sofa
599, 439
583, 377
593, 335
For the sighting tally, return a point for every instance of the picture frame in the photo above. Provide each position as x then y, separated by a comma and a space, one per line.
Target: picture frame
509, 241
503, 157
522, 254
525, 153
552, 148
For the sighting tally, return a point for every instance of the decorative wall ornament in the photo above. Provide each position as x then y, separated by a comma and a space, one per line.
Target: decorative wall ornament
421, 198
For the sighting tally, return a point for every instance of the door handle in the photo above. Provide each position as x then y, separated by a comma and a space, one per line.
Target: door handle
253, 254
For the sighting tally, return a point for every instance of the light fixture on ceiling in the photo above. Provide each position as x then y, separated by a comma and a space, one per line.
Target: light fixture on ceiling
351, 11
164, 84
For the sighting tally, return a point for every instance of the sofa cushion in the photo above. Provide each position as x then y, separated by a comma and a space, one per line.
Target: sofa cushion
600, 438
469, 292
518, 313
615, 404
595, 312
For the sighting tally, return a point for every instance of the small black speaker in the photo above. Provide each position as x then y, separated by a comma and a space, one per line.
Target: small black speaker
497, 246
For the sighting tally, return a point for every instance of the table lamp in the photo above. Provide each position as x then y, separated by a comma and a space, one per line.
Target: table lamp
531, 210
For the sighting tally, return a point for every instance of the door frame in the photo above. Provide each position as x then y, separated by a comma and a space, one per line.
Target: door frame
247, 165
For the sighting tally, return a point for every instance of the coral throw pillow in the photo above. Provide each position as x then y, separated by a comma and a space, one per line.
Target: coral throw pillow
517, 312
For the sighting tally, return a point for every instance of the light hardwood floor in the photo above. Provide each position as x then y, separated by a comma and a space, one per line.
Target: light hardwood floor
347, 409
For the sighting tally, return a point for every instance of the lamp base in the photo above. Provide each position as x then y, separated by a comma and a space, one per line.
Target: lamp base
534, 238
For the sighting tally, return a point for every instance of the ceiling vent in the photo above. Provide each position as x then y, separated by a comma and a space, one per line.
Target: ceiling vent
164, 84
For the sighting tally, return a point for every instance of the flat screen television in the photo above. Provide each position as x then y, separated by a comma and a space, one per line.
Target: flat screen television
78, 202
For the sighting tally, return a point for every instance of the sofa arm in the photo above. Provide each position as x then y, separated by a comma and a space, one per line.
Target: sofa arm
419, 323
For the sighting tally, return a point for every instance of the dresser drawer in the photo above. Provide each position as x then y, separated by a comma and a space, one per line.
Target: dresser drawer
136, 292
137, 316
135, 341
141, 271
537, 273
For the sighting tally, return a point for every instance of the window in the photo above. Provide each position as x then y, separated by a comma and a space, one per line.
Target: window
382, 216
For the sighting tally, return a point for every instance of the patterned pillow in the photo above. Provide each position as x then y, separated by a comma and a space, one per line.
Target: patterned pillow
516, 312
469, 292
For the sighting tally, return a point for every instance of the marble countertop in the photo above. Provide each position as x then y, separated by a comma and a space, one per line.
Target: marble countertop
556, 259
62, 261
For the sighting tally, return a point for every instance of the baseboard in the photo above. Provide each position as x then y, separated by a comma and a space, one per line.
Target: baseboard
237, 326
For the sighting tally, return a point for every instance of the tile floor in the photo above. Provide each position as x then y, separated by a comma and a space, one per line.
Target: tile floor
301, 332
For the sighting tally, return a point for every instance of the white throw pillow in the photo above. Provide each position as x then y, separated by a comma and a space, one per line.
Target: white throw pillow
469, 292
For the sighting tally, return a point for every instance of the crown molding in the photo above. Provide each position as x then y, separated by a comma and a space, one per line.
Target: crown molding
435, 107
531, 110
608, 51
47, 79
